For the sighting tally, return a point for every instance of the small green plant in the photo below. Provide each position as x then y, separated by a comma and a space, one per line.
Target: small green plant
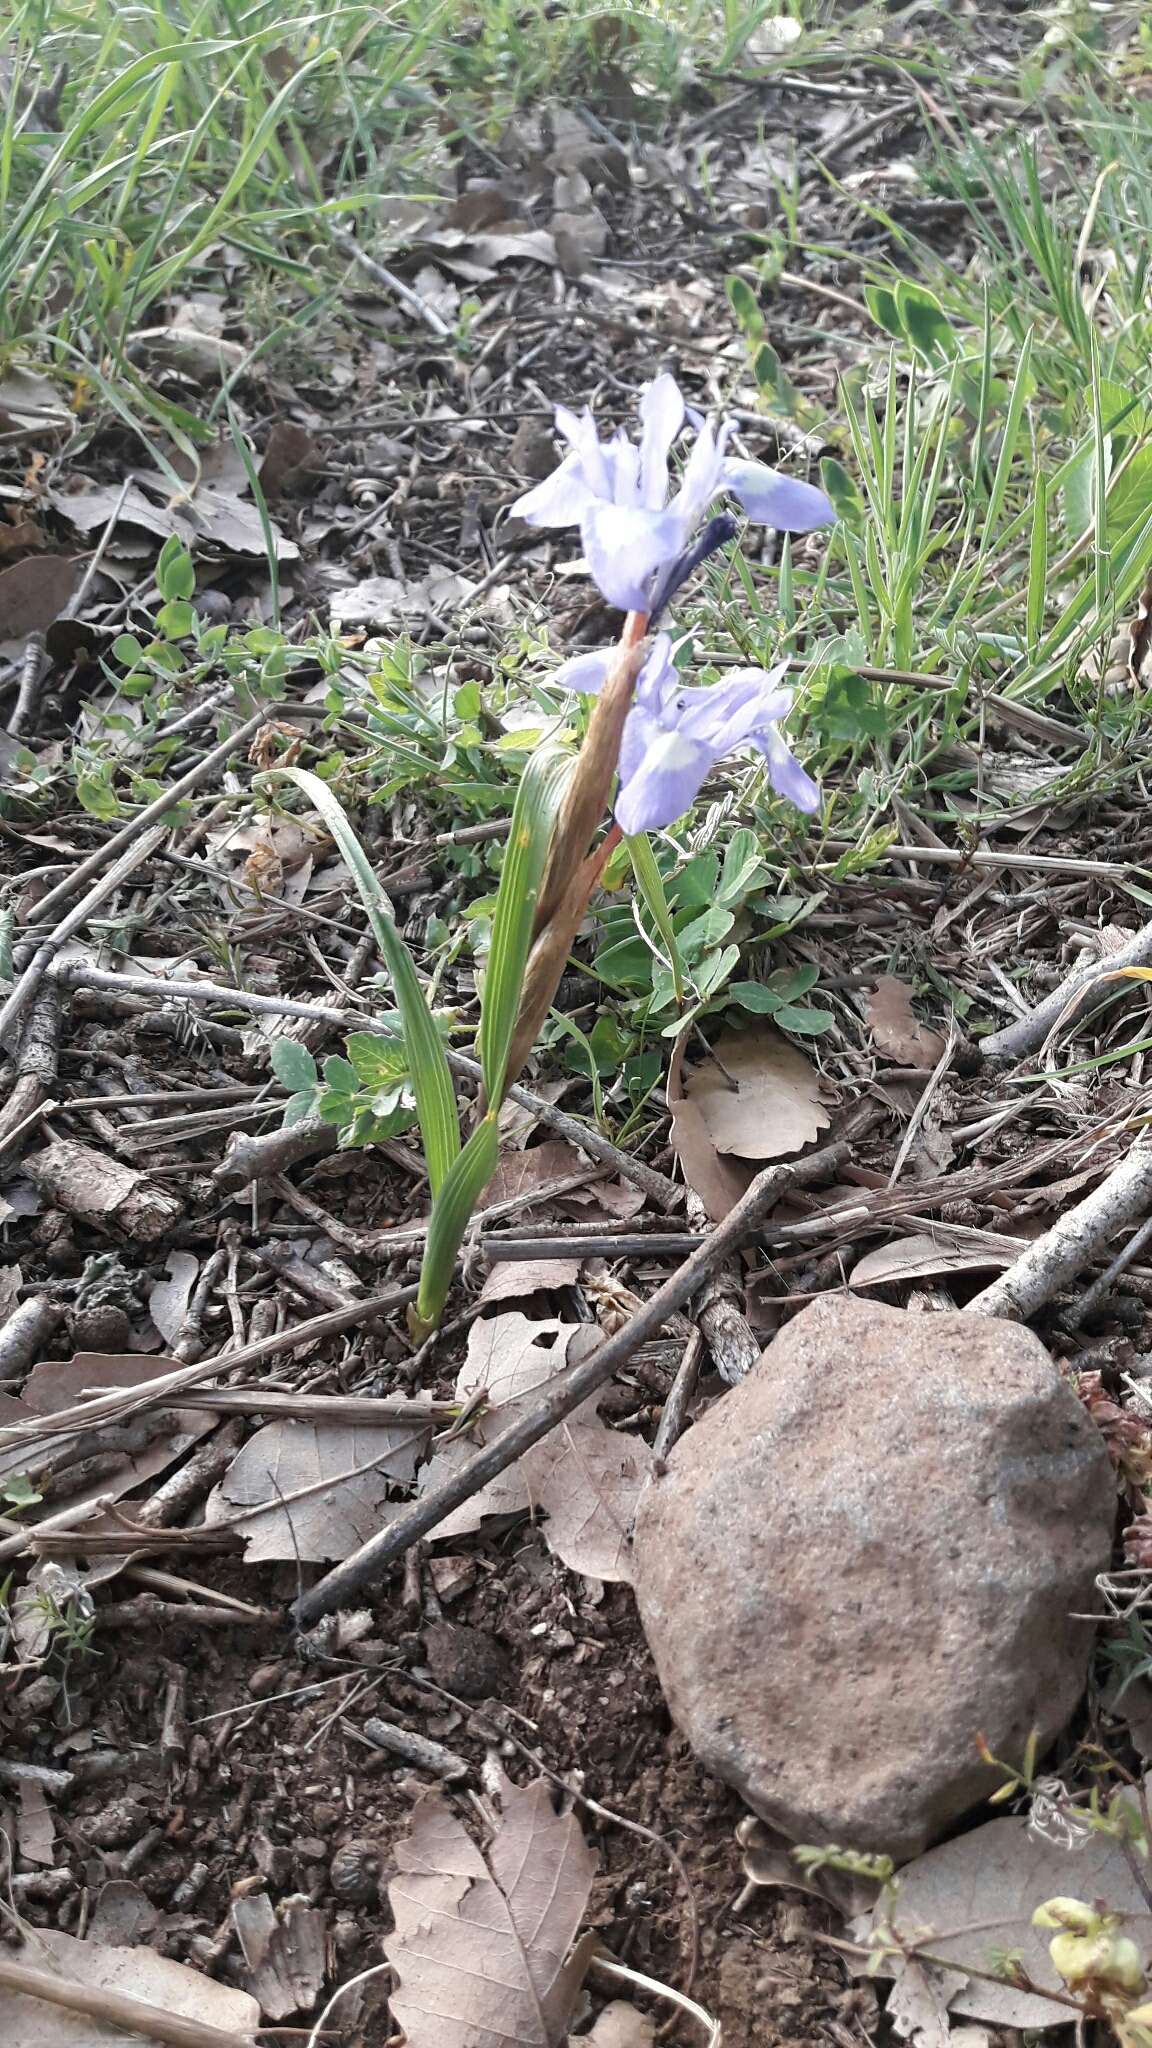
664, 736
367, 1096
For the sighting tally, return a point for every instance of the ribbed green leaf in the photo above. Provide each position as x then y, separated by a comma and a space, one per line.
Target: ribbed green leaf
431, 1078
650, 882
533, 815
450, 1212
1038, 564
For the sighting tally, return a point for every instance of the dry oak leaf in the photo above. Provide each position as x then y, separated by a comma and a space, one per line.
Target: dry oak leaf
927, 1258
974, 1897
586, 1478
319, 1489
480, 1940
589, 1479
139, 1973
762, 1101
717, 1183
896, 1030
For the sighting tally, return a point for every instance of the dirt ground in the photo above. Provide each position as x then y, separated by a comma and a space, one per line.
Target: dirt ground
218, 1753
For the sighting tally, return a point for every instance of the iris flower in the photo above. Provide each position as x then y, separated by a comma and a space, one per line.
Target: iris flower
617, 494
674, 735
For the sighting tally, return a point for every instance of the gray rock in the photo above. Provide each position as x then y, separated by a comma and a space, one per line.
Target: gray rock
866, 1554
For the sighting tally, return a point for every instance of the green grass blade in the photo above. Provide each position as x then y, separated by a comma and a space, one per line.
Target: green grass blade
650, 883
533, 815
1038, 564
431, 1077
1008, 443
451, 1210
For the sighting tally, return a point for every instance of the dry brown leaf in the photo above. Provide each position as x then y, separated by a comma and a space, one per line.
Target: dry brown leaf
589, 1479
35, 1827
925, 1258
123, 1915
520, 1176
289, 456
137, 1973
284, 1950
513, 1279
205, 358
718, 1184
990, 1883
350, 1472
33, 593
480, 1942
29, 400
212, 514
380, 602
18, 535
168, 1298
766, 1103
896, 1031
585, 1477
59, 1383
506, 1358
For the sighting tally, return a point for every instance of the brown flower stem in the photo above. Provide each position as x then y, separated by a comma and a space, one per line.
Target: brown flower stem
586, 798
572, 871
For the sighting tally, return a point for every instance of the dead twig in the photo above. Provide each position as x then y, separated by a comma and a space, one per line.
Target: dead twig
679, 1394
124, 1401
418, 1750
1073, 1242
396, 285
353, 1410
566, 1393
35, 967
25, 1334
1067, 1004
36, 1064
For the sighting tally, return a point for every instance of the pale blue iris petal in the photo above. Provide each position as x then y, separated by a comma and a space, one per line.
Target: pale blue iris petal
661, 417
664, 773
585, 672
774, 500
702, 479
622, 459
623, 547
787, 777
579, 430
561, 500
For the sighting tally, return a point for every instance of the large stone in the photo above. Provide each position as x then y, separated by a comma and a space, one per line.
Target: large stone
871, 1551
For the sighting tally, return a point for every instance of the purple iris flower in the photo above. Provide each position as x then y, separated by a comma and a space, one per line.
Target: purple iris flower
674, 735
616, 493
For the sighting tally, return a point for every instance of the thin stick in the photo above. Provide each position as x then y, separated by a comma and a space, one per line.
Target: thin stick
987, 857
37, 967
116, 2009
354, 1409
1103, 1284
679, 1394
1073, 1242
130, 1400
1066, 1004
33, 669
367, 1564
150, 815
407, 297
618, 1244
